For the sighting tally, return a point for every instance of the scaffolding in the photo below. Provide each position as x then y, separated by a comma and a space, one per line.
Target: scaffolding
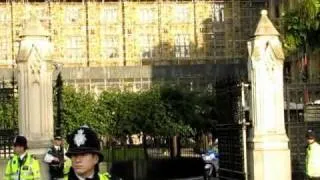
130, 33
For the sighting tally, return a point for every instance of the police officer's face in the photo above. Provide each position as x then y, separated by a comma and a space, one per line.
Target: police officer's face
18, 149
310, 140
83, 164
57, 142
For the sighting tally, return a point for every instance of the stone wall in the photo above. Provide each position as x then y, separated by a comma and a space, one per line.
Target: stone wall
135, 78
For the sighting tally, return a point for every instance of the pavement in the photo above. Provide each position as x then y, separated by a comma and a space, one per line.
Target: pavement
196, 178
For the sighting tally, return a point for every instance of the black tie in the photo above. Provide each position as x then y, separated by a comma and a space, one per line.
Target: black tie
21, 161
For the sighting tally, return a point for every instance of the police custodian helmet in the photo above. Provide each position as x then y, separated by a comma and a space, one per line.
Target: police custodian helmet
84, 140
20, 141
58, 138
310, 134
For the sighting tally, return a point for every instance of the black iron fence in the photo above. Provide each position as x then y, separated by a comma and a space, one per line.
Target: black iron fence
302, 112
8, 117
154, 148
231, 151
6, 142
154, 160
58, 108
232, 129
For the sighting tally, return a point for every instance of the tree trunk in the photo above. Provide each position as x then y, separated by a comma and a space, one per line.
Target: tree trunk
178, 146
205, 142
174, 147
145, 148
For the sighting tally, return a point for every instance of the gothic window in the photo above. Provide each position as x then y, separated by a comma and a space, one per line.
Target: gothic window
218, 12
74, 48
147, 46
110, 47
182, 45
220, 41
181, 14
3, 48
72, 15
109, 15
3, 16
44, 14
16, 46
146, 15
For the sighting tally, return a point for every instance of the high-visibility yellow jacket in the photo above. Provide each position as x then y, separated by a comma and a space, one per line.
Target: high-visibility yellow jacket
313, 160
67, 166
27, 169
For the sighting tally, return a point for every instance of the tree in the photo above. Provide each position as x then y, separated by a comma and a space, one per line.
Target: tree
8, 113
301, 26
159, 112
79, 110
194, 112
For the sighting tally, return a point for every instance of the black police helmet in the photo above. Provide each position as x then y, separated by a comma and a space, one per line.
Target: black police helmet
84, 140
20, 141
59, 138
310, 134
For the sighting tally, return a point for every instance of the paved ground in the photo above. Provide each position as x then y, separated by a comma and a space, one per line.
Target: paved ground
196, 178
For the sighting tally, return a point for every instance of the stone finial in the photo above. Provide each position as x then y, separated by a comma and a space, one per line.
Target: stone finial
265, 26
264, 12
34, 27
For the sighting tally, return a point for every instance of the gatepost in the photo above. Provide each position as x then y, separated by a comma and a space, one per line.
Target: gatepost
268, 152
35, 70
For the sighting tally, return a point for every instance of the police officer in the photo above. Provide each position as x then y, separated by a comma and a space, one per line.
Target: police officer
22, 165
84, 151
312, 156
58, 163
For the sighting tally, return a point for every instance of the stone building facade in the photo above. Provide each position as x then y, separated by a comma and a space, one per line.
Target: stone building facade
126, 35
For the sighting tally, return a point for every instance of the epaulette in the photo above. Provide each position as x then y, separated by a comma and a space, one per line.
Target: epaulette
33, 156
106, 174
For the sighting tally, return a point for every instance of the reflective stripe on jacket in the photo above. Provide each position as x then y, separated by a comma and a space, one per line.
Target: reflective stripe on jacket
28, 169
67, 165
313, 160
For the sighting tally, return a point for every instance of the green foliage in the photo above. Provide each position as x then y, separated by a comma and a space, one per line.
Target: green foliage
79, 109
9, 113
192, 112
301, 26
152, 117
159, 111
295, 31
123, 154
206, 113
116, 111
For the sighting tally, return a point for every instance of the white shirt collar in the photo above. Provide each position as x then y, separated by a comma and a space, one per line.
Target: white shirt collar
82, 178
23, 155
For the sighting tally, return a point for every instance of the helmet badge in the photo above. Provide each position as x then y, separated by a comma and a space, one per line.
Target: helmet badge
80, 138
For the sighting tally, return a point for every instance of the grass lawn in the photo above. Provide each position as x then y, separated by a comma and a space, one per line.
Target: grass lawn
123, 154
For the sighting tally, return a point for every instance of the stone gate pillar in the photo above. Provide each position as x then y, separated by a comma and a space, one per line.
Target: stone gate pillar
268, 152
35, 88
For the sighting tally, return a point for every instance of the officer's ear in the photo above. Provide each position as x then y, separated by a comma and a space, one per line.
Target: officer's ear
96, 158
